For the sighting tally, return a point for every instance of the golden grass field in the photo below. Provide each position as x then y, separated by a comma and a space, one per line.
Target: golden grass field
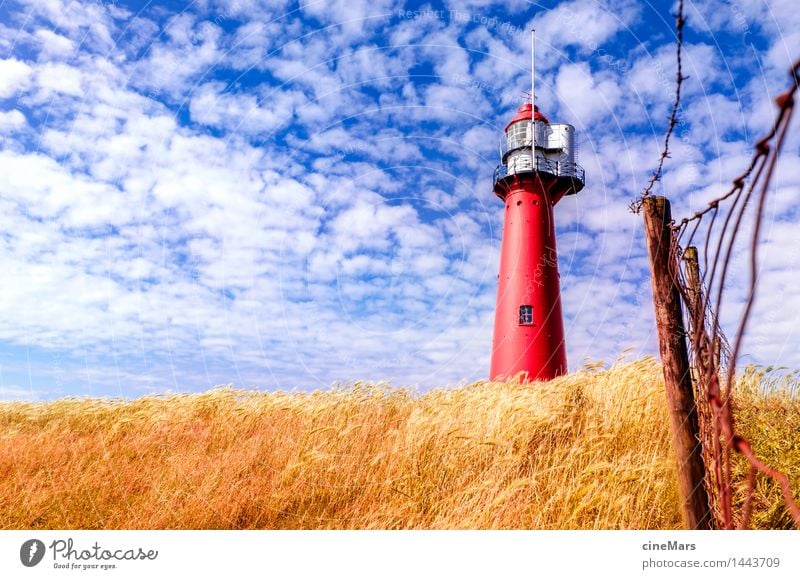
587, 451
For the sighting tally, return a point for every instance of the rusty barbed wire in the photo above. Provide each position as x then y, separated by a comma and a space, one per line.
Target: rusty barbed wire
636, 205
710, 353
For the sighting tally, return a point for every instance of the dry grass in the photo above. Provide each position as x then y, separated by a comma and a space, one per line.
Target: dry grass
587, 451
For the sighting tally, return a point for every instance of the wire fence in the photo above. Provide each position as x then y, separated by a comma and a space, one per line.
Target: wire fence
712, 358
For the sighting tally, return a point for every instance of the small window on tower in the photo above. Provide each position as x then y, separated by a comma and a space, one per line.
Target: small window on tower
526, 315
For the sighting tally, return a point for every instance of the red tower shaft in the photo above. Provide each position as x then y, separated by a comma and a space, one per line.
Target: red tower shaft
537, 169
528, 325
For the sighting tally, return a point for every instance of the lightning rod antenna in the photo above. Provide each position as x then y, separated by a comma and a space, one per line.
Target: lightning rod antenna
533, 101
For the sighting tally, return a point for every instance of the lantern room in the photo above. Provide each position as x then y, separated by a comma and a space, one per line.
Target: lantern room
532, 144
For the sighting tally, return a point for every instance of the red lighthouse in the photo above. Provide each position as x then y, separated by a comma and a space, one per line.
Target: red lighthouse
537, 168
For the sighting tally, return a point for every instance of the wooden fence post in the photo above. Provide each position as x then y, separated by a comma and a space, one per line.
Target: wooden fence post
694, 298
706, 366
675, 362
692, 261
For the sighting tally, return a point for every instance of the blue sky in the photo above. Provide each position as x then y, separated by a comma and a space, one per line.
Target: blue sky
284, 195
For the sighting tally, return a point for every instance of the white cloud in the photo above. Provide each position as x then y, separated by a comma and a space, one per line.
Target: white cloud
175, 63
241, 113
353, 16
249, 9
48, 191
11, 121
584, 23
584, 98
59, 78
14, 77
253, 40
54, 45
92, 22
12, 393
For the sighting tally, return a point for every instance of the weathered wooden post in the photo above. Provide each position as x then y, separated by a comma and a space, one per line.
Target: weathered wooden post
692, 261
706, 361
675, 361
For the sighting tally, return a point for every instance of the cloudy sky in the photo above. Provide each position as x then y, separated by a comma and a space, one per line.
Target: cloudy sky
283, 195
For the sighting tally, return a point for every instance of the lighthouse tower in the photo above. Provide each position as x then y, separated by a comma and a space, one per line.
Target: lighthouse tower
537, 168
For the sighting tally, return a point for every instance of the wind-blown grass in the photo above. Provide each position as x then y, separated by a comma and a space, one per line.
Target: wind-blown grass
587, 451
